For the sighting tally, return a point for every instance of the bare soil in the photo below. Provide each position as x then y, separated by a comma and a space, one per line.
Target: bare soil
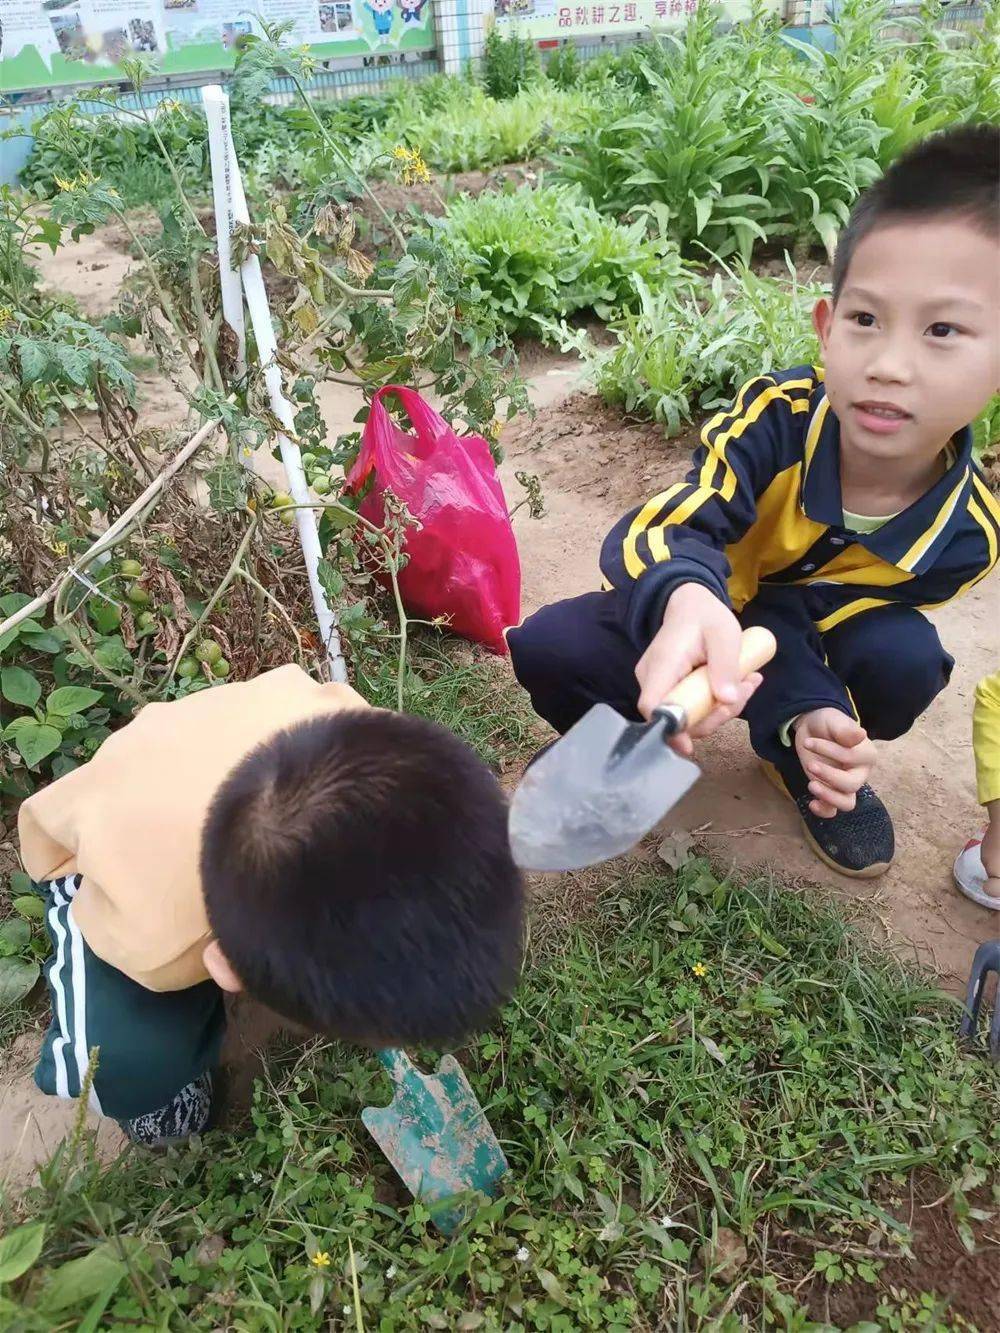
430, 198
593, 465
969, 1283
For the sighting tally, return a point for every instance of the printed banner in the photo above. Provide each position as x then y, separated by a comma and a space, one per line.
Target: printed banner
44, 43
543, 20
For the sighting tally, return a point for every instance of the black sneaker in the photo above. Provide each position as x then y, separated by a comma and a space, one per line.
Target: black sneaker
858, 842
189, 1112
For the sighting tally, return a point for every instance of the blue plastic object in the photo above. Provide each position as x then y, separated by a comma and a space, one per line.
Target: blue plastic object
987, 960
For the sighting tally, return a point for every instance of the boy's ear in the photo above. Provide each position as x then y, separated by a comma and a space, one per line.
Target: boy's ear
822, 318
219, 968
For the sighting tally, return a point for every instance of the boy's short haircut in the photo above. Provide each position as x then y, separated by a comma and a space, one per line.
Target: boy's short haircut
952, 174
358, 877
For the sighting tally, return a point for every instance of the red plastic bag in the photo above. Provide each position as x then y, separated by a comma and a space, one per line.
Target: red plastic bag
463, 560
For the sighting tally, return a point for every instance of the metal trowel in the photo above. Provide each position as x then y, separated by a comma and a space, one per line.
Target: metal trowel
607, 782
436, 1135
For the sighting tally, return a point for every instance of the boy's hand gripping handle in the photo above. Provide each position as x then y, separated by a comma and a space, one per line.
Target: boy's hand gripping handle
691, 700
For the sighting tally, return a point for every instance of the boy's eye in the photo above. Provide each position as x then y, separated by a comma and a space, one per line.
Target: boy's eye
864, 318
941, 330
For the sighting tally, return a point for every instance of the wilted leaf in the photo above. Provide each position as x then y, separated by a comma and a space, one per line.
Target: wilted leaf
553, 1287
208, 1250
713, 1050
675, 849
726, 1255
317, 1293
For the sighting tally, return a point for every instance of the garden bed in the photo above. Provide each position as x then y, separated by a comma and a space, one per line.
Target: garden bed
727, 1096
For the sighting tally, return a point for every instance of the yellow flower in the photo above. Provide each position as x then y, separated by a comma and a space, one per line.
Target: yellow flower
413, 168
79, 182
700, 970
321, 1259
60, 548
6, 315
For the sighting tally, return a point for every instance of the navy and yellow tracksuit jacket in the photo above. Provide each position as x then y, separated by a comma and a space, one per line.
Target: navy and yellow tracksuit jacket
761, 507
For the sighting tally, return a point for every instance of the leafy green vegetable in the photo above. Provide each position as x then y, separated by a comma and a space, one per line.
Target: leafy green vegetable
536, 254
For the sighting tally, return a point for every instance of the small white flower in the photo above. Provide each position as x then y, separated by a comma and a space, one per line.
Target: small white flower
348, 1309
390, 1272
666, 1222
256, 1177
523, 1255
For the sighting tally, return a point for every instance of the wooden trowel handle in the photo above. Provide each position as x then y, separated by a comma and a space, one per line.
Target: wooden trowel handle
694, 693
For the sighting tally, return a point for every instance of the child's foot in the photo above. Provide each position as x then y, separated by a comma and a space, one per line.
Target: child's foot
972, 879
858, 842
189, 1112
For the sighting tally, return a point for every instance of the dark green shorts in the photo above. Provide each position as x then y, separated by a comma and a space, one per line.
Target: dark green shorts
150, 1044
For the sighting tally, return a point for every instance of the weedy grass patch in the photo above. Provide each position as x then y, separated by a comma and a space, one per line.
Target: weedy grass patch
691, 1068
681, 351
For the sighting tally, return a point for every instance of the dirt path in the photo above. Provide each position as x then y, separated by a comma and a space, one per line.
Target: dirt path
592, 467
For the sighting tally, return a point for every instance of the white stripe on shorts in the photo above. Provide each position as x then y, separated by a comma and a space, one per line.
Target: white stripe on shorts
56, 981
79, 977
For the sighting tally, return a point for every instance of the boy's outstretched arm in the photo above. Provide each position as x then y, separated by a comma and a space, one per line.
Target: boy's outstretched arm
668, 560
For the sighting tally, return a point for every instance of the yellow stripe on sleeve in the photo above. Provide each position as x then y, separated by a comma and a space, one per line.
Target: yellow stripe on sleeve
991, 544
633, 564
989, 501
741, 419
812, 437
716, 444
707, 474
926, 540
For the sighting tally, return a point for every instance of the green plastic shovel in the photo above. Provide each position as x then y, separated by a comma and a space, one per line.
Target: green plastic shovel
436, 1135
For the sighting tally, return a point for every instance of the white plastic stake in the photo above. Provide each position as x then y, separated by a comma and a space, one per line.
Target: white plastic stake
267, 350
220, 144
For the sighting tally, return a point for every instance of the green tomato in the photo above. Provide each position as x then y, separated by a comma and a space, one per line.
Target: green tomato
130, 569
145, 620
308, 461
138, 595
321, 485
208, 651
287, 516
220, 669
279, 500
188, 668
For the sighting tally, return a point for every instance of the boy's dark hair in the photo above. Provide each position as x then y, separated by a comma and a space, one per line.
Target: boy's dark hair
952, 174
358, 877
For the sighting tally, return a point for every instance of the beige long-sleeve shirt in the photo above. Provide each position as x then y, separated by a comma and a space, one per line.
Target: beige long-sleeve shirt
130, 821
